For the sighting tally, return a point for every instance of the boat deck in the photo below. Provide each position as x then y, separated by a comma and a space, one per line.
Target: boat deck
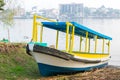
90, 55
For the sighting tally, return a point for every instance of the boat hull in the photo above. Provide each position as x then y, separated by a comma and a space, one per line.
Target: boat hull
50, 65
53, 62
49, 70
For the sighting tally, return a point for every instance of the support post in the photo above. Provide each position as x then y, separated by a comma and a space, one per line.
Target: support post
72, 42
103, 46
95, 48
89, 45
57, 36
86, 42
34, 24
36, 33
67, 32
41, 34
108, 46
80, 43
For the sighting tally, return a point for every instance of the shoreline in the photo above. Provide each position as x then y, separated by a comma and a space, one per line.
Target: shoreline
113, 66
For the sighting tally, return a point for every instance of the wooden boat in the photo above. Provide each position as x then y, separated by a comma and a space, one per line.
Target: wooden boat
52, 61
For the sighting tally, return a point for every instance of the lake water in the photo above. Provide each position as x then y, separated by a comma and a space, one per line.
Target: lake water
22, 32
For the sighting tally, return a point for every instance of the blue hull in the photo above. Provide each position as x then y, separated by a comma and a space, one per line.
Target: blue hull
48, 70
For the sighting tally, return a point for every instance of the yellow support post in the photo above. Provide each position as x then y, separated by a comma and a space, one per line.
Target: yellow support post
103, 46
89, 45
86, 42
34, 24
36, 33
41, 34
67, 32
34, 37
72, 42
41, 30
95, 48
57, 36
80, 43
108, 46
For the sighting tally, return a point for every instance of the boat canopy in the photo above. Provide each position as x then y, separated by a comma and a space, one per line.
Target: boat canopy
79, 29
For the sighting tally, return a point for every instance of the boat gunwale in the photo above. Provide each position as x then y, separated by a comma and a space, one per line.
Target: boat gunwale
60, 54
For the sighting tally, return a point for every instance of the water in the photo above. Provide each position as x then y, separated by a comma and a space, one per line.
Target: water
22, 32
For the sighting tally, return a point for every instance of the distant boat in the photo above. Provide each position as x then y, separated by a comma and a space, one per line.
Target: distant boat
4, 40
52, 61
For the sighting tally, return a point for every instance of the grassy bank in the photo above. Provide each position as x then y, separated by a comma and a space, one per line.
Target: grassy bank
15, 64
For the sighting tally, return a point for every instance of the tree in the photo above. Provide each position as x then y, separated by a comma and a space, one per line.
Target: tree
6, 16
7, 13
7, 20
1, 4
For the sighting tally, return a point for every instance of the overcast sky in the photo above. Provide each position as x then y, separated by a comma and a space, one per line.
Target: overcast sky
28, 4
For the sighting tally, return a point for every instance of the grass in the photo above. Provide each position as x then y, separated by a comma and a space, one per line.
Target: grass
16, 64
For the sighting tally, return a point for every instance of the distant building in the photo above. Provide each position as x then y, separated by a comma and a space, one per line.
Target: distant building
71, 12
19, 11
50, 13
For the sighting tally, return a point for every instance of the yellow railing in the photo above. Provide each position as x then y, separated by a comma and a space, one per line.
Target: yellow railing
35, 29
69, 41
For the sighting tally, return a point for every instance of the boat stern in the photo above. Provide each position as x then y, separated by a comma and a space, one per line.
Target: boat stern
30, 46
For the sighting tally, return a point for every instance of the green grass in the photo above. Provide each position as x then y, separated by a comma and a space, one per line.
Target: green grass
18, 65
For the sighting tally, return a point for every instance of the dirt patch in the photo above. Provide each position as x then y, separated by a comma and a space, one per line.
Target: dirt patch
107, 73
10, 47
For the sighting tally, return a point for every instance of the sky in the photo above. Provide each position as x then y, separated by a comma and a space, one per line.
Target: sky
46, 4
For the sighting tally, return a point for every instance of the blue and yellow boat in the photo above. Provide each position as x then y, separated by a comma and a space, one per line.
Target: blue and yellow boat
52, 61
